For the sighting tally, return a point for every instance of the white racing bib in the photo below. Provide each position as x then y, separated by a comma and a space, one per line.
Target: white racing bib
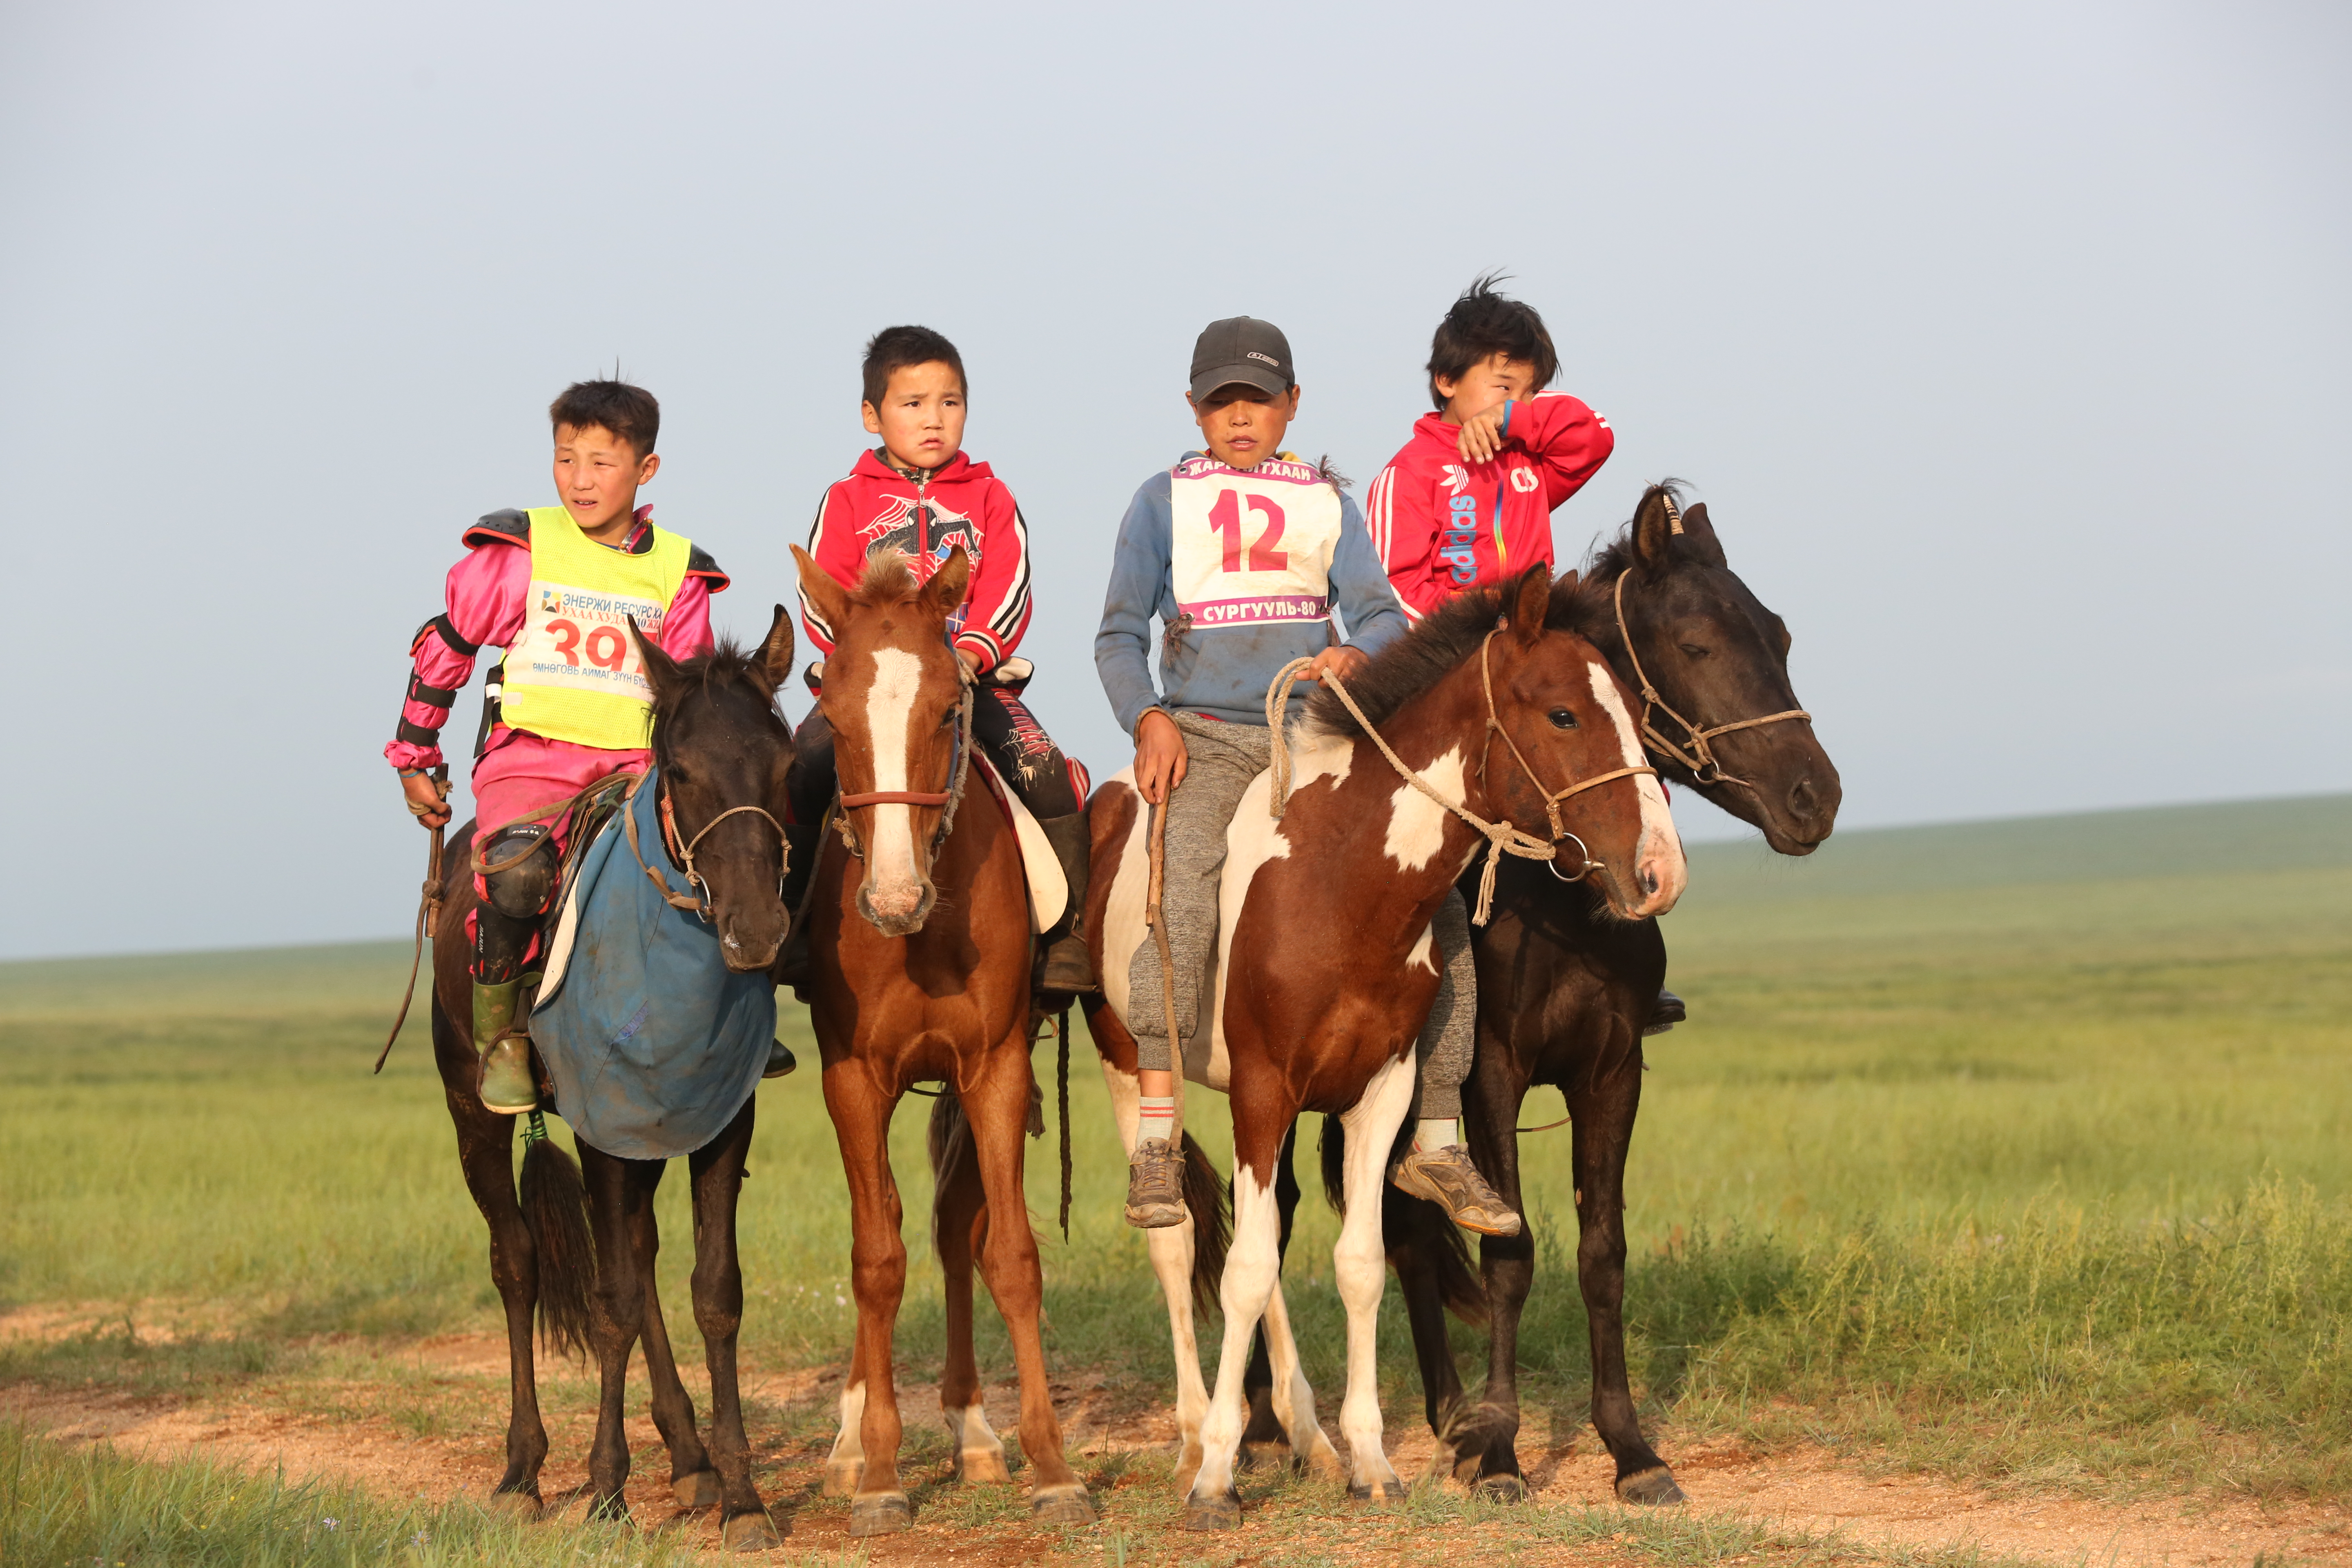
1252, 548
576, 639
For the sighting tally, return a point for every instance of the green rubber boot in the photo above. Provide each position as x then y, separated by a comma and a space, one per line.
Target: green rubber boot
508, 1086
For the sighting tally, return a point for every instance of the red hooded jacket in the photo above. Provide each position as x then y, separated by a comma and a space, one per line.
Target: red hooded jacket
1442, 525
958, 503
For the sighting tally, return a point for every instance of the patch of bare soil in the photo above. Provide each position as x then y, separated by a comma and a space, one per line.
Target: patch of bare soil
1807, 1492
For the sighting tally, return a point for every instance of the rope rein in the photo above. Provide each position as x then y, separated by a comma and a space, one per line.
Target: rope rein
1700, 758
1504, 837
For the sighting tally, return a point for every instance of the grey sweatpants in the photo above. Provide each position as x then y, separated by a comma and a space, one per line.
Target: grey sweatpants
1221, 760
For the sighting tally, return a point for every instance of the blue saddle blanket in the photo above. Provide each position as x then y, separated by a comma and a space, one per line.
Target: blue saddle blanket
652, 1043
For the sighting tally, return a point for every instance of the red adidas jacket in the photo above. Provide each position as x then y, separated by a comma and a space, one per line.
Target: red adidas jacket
1442, 526
960, 503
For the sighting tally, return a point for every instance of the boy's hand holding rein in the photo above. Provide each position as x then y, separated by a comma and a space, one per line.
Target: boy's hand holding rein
1346, 663
428, 798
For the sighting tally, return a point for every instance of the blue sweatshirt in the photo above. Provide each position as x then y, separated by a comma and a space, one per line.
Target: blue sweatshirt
1241, 567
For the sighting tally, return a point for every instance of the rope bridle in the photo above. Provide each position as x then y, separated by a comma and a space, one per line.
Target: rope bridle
1504, 838
1699, 758
951, 797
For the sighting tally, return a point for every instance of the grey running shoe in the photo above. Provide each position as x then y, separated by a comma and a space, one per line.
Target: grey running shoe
1155, 1185
1447, 1178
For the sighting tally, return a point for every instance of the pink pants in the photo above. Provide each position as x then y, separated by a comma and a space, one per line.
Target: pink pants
522, 772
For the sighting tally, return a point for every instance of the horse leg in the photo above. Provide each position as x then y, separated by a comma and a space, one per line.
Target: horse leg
1171, 1250
1491, 1431
1360, 1263
845, 1463
716, 1170
997, 1106
1603, 1127
861, 1109
486, 1153
692, 1481
1252, 1264
1411, 1229
960, 1230
1291, 1397
619, 1191
1265, 1441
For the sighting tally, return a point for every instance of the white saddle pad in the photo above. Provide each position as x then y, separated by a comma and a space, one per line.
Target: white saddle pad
1049, 891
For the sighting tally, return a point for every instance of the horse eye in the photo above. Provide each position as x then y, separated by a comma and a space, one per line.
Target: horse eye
1692, 650
1561, 719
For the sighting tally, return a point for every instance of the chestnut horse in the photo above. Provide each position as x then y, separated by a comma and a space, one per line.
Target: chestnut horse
721, 747
919, 970
1564, 990
1326, 971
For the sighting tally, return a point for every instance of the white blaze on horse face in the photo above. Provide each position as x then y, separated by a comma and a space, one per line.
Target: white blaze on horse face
1416, 822
1660, 851
891, 867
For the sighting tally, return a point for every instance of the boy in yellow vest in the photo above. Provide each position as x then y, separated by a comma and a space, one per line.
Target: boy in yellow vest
554, 586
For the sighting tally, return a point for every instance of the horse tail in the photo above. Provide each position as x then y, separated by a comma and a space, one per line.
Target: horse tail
1332, 1146
1209, 1203
953, 1153
555, 1213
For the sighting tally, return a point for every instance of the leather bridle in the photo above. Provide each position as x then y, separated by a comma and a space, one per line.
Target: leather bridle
1699, 757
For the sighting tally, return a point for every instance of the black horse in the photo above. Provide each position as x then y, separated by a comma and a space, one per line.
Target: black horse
1565, 991
720, 744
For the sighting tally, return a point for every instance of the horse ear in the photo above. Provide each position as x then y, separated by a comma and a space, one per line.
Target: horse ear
1700, 534
776, 652
661, 670
945, 590
1530, 601
1654, 530
829, 598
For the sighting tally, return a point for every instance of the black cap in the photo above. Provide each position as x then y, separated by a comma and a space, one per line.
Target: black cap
1242, 349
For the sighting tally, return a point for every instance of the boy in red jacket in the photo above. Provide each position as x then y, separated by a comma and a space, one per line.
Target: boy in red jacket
1470, 498
918, 494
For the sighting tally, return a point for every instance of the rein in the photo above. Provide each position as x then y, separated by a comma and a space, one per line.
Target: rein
685, 854
1700, 758
1504, 837
427, 907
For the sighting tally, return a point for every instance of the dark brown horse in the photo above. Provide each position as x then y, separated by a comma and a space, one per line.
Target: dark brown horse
1565, 989
721, 744
1325, 972
919, 971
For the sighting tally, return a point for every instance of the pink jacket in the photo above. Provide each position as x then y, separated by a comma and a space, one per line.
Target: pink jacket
487, 589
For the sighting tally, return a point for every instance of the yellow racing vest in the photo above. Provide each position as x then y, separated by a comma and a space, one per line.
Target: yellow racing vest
575, 674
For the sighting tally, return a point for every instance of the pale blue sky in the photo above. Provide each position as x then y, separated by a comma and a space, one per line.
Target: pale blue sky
2008, 343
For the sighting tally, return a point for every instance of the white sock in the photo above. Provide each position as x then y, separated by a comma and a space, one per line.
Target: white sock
1158, 1120
1430, 1134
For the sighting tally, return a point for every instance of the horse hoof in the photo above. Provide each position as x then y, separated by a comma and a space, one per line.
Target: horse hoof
1653, 1488
1377, 1494
1501, 1489
516, 1505
1266, 1455
753, 1532
1223, 1511
976, 1466
613, 1510
885, 1513
699, 1490
1065, 1504
842, 1476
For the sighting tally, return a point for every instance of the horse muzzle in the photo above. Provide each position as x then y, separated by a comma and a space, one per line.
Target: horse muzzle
897, 906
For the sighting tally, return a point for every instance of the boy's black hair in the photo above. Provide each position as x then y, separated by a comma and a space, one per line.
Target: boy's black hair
1482, 324
629, 412
895, 348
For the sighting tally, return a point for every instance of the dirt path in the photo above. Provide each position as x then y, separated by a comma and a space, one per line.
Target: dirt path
359, 1430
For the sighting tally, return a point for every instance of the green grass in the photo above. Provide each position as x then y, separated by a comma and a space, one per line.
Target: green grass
2017, 1151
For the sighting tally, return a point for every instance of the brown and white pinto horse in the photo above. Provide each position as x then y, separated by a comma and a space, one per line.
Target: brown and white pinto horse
919, 970
1326, 967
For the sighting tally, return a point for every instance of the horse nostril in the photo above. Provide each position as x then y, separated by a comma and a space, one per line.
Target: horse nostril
1650, 880
1800, 799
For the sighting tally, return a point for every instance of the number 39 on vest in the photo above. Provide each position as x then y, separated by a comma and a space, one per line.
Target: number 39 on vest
574, 674
1250, 548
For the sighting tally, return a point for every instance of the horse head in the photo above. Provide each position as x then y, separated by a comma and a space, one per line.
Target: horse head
893, 694
1562, 755
1724, 718
723, 750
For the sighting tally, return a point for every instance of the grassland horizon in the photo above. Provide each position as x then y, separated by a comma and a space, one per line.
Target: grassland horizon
2018, 1152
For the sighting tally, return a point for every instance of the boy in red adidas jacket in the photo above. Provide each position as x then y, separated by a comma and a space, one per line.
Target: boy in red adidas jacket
1470, 498
919, 495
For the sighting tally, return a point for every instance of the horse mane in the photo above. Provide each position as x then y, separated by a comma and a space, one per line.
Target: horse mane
1439, 644
728, 663
887, 580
